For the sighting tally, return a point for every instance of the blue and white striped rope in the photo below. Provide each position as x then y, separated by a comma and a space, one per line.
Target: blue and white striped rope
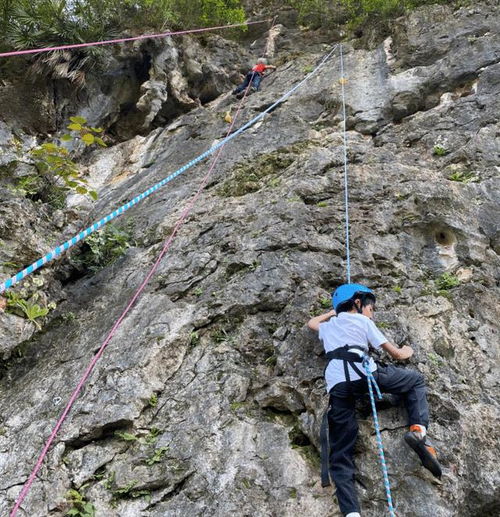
372, 383
85, 233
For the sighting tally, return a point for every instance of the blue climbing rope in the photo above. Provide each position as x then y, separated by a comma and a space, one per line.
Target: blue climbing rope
372, 385
85, 233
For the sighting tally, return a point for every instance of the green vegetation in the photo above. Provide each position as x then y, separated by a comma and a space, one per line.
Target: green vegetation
40, 23
157, 456
128, 437
322, 204
194, 338
54, 162
152, 436
434, 359
153, 400
57, 173
447, 281
463, 177
29, 186
79, 506
128, 491
263, 171
149, 439
32, 311
205, 12
24, 304
326, 302
221, 335
102, 248
439, 150
317, 13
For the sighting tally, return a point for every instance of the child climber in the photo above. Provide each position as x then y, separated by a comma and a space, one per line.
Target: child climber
254, 76
346, 338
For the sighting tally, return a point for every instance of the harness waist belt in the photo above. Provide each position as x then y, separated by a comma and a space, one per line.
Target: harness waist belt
347, 353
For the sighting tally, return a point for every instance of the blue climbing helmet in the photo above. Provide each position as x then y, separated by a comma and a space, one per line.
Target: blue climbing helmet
346, 292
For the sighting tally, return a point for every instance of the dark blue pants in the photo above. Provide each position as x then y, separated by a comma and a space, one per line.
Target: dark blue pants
343, 427
253, 77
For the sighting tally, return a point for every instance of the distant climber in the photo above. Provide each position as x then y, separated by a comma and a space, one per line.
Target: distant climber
254, 76
346, 338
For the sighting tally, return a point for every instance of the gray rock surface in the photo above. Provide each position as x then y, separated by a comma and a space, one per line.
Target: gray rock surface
208, 399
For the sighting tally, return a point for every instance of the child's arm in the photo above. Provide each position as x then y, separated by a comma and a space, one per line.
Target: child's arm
271, 67
399, 354
313, 323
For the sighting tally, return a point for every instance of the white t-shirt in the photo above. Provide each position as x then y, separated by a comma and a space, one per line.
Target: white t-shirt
348, 329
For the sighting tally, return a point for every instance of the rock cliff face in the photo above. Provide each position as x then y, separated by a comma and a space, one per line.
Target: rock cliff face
209, 397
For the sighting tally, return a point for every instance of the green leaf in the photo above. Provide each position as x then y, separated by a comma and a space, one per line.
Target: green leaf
75, 127
72, 184
100, 141
93, 194
128, 437
73, 511
50, 147
78, 120
81, 190
97, 129
54, 159
88, 138
66, 138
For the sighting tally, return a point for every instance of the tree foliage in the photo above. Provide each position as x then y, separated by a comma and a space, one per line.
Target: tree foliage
324, 12
58, 173
28, 24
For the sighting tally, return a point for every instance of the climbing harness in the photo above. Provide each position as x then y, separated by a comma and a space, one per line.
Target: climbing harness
85, 233
351, 354
123, 40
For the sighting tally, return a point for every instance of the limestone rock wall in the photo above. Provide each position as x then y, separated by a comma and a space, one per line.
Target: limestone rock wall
209, 397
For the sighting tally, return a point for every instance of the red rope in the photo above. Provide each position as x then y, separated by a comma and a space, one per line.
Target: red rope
122, 40
118, 322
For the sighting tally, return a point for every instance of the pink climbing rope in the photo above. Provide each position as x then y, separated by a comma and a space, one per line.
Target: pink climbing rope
118, 322
123, 40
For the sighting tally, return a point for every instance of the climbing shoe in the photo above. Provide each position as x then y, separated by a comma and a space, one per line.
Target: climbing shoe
416, 438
